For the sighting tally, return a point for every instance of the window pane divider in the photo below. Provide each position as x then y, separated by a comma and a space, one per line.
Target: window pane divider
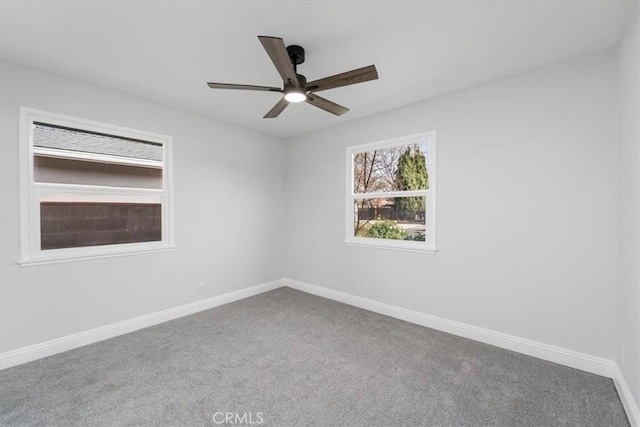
95, 189
390, 194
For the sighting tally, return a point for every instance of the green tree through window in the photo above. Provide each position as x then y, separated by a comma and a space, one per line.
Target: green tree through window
411, 174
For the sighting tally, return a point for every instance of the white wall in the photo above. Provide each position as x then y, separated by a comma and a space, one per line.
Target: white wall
526, 208
628, 326
228, 217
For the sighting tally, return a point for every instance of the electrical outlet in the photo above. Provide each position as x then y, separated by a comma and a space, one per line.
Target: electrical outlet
624, 355
202, 287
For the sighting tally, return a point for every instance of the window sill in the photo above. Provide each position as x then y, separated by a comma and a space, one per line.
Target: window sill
29, 262
394, 247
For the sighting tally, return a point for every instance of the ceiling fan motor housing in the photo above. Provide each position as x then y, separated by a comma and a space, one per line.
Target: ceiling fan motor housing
302, 80
302, 83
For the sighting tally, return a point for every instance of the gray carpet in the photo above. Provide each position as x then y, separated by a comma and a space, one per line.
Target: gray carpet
287, 358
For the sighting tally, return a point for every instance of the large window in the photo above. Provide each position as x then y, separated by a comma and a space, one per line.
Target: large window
91, 190
391, 194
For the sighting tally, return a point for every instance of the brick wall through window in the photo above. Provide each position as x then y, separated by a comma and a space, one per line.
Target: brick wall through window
77, 224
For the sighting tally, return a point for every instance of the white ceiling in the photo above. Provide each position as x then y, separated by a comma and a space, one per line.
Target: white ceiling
166, 51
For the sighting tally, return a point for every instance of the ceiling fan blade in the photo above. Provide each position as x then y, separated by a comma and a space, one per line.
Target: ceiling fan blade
277, 51
352, 77
246, 87
277, 109
326, 105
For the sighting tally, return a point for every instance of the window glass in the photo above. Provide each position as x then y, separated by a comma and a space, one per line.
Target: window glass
391, 197
92, 189
400, 218
401, 167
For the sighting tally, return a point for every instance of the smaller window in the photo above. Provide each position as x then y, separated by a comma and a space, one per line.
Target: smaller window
391, 188
91, 190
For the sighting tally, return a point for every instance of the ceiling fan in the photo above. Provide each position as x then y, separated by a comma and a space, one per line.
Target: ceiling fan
295, 86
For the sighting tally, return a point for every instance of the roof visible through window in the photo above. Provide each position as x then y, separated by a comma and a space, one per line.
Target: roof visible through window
61, 138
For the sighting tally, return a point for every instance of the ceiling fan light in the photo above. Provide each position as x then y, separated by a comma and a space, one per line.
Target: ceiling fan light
295, 95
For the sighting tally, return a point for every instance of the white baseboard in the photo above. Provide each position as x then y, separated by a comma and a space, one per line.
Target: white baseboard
59, 345
543, 351
630, 405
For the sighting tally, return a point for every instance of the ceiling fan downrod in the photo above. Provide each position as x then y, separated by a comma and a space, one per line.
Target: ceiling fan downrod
296, 55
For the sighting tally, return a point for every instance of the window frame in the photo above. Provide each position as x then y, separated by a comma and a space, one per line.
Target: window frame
429, 245
31, 252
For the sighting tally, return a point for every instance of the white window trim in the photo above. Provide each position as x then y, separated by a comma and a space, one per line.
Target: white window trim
429, 246
31, 254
